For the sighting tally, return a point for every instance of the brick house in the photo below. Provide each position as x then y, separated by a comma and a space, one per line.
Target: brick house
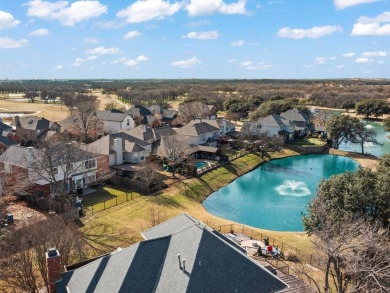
16, 166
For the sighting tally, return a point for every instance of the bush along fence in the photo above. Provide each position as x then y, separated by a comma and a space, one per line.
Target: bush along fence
301, 255
103, 205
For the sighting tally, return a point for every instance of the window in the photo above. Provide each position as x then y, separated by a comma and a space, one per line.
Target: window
142, 158
90, 164
128, 122
55, 170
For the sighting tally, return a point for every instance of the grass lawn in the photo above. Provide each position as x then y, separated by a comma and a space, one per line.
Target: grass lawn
308, 142
127, 220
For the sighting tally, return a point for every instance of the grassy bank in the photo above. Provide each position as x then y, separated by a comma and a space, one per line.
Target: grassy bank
125, 222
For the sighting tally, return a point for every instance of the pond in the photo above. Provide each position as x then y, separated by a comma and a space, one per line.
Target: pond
275, 195
376, 150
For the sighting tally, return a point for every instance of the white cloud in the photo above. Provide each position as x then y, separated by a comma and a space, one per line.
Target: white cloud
238, 43
91, 40
131, 35
58, 67
199, 23
66, 14
131, 62
363, 60
7, 20
103, 51
79, 61
341, 4
313, 33
250, 65
12, 43
320, 60
374, 54
40, 32
210, 35
340, 66
332, 58
349, 54
142, 58
186, 63
208, 7
376, 26
232, 60
145, 10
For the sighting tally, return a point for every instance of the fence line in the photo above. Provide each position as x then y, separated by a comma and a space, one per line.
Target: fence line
106, 204
304, 256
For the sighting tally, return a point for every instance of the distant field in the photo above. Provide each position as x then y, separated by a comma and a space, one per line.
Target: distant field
54, 112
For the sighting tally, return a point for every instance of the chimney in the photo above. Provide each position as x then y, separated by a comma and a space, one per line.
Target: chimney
224, 126
118, 147
17, 121
184, 265
198, 120
54, 268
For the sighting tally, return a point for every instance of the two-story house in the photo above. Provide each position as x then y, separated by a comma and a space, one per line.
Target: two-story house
200, 133
299, 120
43, 173
273, 125
115, 120
31, 127
121, 148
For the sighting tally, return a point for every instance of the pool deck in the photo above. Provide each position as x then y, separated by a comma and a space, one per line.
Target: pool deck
251, 246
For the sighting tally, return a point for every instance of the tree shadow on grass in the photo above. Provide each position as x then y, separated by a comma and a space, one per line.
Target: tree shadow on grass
166, 201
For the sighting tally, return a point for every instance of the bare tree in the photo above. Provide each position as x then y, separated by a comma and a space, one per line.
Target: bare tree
55, 162
190, 111
85, 122
173, 149
148, 173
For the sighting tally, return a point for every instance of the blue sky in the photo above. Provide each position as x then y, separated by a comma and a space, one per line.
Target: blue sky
195, 39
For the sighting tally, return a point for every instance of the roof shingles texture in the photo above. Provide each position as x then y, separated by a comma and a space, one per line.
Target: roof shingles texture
211, 265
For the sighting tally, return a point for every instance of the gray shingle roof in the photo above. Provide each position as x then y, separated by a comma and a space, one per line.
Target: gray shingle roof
111, 116
105, 145
274, 120
212, 265
35, 123
6, 141
148, 134
138, 110
295, 115
197, 129
4, 126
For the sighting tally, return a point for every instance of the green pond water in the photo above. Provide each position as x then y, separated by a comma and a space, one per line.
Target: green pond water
275, 195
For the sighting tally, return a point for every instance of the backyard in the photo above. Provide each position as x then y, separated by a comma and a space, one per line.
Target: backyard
128, 219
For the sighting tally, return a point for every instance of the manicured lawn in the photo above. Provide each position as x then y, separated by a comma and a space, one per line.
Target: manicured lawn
127, 220
311, 141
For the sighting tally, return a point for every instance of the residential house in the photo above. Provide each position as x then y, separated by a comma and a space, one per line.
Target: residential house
179, 255
212, 112
19, 160
151, 135
139, 113
121, 148
30, 127
224, 126
115, 120
166, 116
199, 132
298, 119
273, 125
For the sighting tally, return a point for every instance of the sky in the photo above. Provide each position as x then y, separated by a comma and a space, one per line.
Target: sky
207, 39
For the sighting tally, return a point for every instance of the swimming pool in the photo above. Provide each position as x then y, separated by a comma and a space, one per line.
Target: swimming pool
201, 164
275, 195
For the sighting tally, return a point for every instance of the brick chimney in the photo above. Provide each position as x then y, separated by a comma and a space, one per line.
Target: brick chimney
54, 268
17, 121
